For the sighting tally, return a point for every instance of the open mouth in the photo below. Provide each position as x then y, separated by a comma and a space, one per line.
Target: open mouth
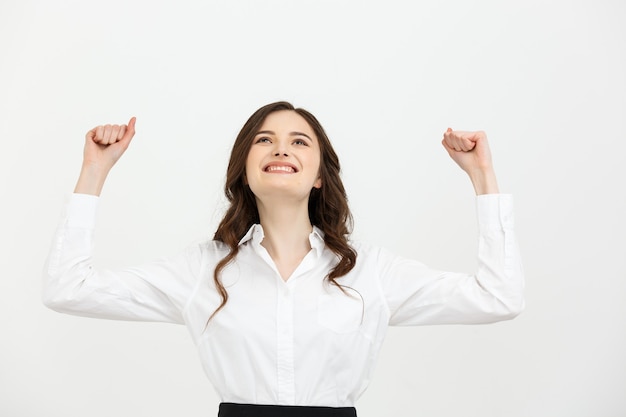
289, 169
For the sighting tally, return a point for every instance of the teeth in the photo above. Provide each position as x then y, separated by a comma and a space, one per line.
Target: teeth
282, 168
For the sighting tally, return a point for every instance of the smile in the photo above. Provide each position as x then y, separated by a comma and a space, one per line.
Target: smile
281, 168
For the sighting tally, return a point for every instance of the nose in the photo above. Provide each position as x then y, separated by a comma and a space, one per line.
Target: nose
281, 149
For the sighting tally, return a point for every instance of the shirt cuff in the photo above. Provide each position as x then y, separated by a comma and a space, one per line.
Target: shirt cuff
80, 211
495, 210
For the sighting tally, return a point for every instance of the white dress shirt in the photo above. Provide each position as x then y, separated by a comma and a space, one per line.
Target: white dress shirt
295, 342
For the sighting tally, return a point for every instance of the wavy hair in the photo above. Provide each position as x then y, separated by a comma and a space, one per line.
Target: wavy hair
328, 205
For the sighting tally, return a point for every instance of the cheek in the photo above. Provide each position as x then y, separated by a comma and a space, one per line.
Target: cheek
248, 174
318, 174
318, 163
251, 162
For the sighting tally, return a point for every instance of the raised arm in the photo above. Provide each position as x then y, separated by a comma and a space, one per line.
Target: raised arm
155, 291
470, 151
419, 295
104, 145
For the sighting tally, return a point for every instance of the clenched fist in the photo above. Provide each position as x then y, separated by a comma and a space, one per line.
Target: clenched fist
104, 145
470, 151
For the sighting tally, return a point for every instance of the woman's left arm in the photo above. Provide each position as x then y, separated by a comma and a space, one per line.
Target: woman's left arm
418, 295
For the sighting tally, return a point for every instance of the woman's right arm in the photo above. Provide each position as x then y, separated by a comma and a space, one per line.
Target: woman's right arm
157, 291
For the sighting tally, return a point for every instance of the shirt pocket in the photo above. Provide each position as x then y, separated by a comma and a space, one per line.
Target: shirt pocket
340, 312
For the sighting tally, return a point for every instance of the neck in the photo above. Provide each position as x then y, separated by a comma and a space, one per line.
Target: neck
286, 227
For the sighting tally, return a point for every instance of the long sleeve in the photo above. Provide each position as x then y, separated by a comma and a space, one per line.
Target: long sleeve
156, 291
419, 295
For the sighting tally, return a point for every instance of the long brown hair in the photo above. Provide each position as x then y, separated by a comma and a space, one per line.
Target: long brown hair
328, 205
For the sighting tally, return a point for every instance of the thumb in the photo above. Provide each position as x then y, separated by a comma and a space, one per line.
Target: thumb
130, 132
131, 126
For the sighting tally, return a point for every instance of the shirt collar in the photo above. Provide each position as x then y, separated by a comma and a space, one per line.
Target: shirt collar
254, 229
255, 234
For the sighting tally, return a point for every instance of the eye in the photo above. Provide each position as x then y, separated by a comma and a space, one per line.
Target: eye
300, 142
263, 139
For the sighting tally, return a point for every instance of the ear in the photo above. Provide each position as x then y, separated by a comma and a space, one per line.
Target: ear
318, 183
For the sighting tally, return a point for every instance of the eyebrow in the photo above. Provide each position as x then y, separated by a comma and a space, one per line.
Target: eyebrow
270, 132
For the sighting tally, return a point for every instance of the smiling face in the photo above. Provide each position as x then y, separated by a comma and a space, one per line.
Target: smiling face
284, 158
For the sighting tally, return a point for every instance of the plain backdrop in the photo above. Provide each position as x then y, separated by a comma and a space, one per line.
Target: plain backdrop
545, 79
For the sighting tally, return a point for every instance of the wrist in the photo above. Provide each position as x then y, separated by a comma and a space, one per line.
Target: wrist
91, 179
484, 181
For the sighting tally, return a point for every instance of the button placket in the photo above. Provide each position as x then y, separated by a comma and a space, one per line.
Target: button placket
285, 347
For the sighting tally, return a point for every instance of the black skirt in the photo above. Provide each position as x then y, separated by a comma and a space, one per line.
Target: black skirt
250, 410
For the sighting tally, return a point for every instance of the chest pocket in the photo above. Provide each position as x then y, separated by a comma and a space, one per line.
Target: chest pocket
340, 312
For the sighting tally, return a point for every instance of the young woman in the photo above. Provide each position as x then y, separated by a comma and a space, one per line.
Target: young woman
287, 313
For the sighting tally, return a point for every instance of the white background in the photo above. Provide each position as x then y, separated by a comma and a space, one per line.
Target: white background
546, 80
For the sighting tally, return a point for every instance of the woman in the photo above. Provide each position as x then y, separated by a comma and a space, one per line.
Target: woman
287, 313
